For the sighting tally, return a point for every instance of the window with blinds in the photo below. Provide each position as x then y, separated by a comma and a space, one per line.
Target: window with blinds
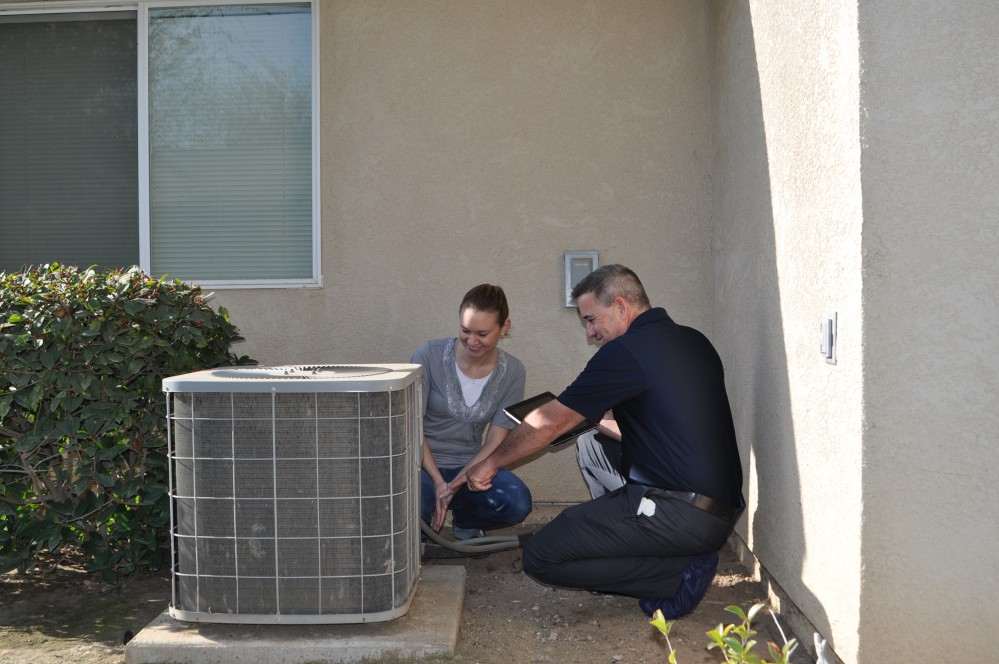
230, 142
68, 155
227, 160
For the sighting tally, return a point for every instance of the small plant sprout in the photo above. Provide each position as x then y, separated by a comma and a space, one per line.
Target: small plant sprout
736, 640
659, 622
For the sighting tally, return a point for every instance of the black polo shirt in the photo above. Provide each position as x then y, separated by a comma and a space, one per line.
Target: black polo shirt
666, 387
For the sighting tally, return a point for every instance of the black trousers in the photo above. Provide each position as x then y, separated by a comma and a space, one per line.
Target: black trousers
605, 545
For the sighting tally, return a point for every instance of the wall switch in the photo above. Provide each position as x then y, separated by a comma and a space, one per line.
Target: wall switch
827, 346
578, 264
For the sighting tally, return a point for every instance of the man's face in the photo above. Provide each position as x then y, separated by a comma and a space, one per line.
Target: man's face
602, 323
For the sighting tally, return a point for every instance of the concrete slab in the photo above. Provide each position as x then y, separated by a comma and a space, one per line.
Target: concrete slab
430, 627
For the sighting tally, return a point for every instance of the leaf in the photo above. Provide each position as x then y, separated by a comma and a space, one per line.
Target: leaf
81, 382
49, 357
67, 427
28, 441
737, 611
132, 307
54, 541
152, 493
108, 453
659, 622
11, 561
29, 398
733, 644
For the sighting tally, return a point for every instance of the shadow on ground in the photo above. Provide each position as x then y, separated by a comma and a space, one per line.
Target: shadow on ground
70, 617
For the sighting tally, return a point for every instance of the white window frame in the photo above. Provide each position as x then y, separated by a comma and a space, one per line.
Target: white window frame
141, 10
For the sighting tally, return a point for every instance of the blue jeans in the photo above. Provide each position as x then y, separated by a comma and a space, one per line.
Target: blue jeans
507, 502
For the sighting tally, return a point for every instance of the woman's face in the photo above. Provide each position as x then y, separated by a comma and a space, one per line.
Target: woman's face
480, 331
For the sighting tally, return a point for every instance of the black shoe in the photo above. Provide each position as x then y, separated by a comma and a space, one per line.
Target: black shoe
696, 581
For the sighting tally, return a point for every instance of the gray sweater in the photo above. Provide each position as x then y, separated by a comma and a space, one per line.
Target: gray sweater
453, 430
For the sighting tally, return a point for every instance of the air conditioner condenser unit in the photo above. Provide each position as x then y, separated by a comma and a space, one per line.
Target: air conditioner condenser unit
295, 493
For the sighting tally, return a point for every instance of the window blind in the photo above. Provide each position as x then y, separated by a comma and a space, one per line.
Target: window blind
230, 141
68, 142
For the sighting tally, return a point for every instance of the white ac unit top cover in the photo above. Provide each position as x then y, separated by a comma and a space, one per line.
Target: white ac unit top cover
296, 378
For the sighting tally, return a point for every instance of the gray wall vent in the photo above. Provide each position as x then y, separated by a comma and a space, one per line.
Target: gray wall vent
295, 493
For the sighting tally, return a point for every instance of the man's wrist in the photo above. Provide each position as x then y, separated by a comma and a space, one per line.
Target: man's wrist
487, 466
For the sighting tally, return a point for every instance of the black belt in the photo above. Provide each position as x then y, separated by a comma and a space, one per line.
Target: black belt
701, 502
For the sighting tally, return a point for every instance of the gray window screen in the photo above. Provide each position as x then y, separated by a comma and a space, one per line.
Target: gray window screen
230, 142
68, 140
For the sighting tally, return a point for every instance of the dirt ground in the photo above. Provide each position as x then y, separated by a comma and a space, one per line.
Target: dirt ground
71, 618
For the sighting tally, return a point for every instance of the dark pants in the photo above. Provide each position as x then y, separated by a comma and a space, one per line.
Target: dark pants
605, 545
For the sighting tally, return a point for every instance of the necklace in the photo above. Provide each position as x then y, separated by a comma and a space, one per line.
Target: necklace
471, 367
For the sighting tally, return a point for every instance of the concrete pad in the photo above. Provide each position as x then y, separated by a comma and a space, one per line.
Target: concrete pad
430, 627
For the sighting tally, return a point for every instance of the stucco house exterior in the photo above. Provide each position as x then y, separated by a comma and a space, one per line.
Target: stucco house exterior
340, 172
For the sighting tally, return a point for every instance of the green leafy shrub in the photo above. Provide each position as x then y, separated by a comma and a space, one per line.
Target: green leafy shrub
82, 414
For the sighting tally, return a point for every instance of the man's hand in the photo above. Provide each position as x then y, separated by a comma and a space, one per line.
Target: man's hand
480, 476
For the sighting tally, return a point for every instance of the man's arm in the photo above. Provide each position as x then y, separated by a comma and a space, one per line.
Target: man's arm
537, 431
608, 427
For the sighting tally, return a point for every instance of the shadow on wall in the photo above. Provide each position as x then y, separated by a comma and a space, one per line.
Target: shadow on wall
747, 313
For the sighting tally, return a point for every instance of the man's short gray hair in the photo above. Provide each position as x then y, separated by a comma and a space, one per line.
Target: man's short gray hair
610, 281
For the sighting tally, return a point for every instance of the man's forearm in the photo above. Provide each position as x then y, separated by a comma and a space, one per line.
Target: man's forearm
523, 441
538, 430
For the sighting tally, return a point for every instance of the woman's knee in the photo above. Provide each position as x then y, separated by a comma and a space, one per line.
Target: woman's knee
521, 502
519, 511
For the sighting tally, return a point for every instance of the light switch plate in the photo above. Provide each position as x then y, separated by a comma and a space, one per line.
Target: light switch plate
578, 264
827, 345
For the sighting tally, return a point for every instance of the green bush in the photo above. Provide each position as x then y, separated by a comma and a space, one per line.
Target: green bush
82, 414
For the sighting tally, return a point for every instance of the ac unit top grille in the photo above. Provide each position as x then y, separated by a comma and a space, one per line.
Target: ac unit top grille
329, 372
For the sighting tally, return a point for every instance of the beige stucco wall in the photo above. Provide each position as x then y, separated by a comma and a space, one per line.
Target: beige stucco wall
465, 142
930, 102
787, 208
854, 168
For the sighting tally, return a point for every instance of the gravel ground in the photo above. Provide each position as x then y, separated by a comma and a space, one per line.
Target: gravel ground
68, 617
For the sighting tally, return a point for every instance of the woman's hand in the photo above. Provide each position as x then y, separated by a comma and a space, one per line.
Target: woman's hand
444, 494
